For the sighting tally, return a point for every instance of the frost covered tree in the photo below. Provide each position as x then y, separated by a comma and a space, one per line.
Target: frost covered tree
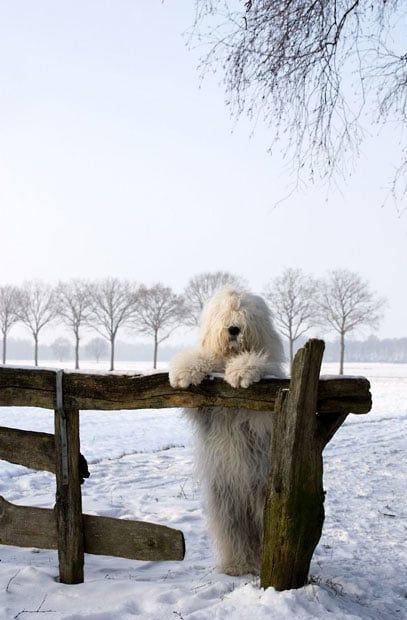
36, 309
113, 303
346, 304
201, 287
314, 71
74, 308
9, 299
158, 313
292, 301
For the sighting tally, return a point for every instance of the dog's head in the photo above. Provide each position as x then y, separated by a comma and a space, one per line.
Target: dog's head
234, 321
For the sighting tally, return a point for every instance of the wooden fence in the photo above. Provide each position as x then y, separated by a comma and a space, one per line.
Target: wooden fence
307, 412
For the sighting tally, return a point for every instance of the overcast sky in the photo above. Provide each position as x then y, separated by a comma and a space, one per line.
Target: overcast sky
114, 161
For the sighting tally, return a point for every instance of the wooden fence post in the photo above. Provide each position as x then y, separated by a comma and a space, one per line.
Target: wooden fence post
294, 510
68, 506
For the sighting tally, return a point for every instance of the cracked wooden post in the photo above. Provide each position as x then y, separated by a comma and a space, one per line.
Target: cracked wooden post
294, 509
68, 506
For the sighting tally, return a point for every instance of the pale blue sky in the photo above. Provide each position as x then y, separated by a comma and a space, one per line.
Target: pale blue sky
114, 162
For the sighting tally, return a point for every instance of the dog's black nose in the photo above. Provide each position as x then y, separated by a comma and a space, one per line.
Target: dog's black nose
234, 331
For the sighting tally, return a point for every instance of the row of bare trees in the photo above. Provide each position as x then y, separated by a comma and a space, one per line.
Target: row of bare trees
106, 306
341, 302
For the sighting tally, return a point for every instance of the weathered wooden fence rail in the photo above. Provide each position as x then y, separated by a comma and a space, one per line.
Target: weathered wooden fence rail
308, 411
35, 387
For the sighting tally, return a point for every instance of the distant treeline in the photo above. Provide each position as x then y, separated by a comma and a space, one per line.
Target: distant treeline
21, 349
371, 350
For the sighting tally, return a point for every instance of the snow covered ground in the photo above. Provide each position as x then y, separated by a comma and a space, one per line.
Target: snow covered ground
141, 468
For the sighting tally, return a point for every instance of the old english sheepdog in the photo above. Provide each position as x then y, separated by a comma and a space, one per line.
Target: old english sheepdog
239, 340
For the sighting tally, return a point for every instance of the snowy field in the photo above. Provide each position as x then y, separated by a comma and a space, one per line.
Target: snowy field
141, 467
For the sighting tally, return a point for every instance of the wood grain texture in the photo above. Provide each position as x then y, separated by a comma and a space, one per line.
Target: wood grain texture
132, 539
28, 448
27, 387
68, 505
24, 526
294, 512
112, 391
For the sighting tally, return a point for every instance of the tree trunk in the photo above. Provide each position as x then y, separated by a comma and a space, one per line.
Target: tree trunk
112, 353
342, 353
36, 349
4, 347
155, 350
76, 352
291, 353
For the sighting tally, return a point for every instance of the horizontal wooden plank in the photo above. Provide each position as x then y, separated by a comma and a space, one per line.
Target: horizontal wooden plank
24, 526
154, 391
28, 448
138, 540
34, 450
27, 387
113, 391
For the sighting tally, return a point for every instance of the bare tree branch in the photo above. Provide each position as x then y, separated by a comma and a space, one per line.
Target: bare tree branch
311, 69
346, 303
73, 301
113, 305
202, 287
36, 309
159, 312
292, 302
9, 300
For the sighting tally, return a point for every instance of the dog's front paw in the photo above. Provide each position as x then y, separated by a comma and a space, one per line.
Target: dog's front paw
242, 377
185, 377
242, 371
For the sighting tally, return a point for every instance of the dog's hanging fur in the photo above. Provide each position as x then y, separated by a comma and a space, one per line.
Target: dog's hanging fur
238, 339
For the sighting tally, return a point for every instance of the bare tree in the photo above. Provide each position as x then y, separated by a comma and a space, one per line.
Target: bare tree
312, 70
61, 348
97, 347
159, 312
9, 299
292, 301
74, 308
36, 309
113, 304
346, 303
200, 288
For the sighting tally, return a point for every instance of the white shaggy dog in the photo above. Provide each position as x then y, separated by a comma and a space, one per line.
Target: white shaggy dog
238, 339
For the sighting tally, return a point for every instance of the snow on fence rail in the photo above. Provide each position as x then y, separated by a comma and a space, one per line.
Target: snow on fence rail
308, 409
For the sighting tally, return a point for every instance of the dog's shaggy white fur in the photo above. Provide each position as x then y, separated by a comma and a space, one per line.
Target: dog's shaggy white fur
238, 339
